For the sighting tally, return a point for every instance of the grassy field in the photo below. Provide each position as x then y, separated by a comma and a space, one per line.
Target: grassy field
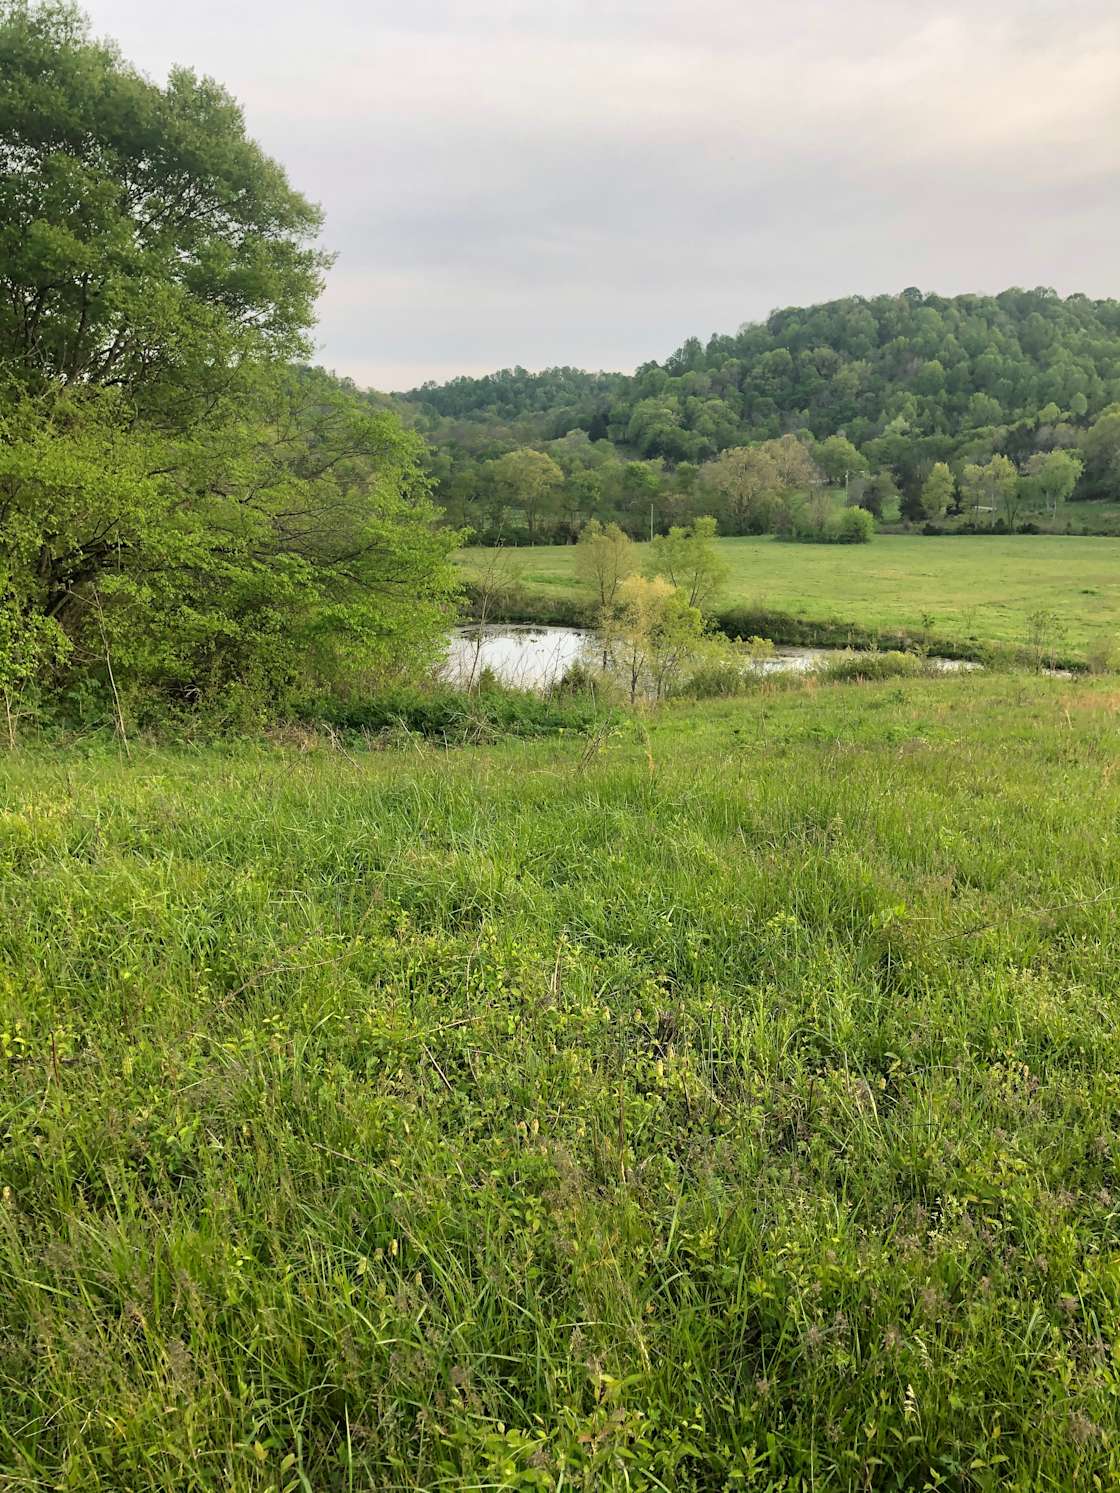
958, 587
729, 1106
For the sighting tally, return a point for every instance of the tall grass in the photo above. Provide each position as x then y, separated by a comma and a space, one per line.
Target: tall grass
726, 1103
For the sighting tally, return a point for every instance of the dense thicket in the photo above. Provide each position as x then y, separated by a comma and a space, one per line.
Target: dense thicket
908, 380
183, 513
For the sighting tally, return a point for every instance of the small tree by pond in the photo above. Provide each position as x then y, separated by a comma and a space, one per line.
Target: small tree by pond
604, 558
497, 577
651, 635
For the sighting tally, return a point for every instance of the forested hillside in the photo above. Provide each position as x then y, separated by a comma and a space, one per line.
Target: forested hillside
880, 390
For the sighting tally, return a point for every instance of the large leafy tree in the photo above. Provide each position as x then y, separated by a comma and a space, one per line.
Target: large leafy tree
747, 482
296, 544
146, 243
526, 480
174, 492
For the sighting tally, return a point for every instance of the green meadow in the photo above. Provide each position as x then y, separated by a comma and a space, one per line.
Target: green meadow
980, 588
722, 1100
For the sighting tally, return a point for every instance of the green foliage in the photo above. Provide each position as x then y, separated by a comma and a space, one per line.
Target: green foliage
859, 668
30, 645
146, 242
747, 484
838, 459
523, 480
1103, 655
513, 392
291, 548
688, 557
653, 632
604, 558
733, 1105
852, 526
449, 715
178, 504
1101, 449
1055, 475
938, 491
990, 490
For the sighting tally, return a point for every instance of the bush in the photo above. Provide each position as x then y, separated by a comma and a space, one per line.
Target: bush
863, 668
1103, 656
845, 526
581, 682
716, 681
852, 526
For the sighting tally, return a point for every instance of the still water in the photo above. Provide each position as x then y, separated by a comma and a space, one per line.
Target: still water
532, 657
529, 657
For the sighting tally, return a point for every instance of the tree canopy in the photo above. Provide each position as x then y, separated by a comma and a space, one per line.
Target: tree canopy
146, 242
175, 492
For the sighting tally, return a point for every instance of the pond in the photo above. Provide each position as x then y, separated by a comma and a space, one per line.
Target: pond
531, 657
528, 657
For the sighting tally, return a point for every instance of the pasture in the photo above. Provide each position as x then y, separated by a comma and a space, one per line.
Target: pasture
727, 1099
981, 588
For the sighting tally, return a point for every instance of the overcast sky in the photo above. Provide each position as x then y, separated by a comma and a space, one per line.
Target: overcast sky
592, 181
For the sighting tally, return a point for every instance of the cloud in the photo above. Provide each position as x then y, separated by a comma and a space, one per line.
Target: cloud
589, 183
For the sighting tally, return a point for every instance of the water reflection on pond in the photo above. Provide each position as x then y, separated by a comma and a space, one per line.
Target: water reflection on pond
532, 657
529, 657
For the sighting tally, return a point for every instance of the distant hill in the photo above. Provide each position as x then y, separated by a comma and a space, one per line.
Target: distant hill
936, 364
909, 379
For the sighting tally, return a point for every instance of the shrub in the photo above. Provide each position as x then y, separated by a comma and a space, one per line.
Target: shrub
1103, 655
715, 681
852, 526
581, 682
856, 668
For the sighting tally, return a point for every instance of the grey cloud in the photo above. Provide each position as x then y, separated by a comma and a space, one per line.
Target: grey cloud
590, 181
